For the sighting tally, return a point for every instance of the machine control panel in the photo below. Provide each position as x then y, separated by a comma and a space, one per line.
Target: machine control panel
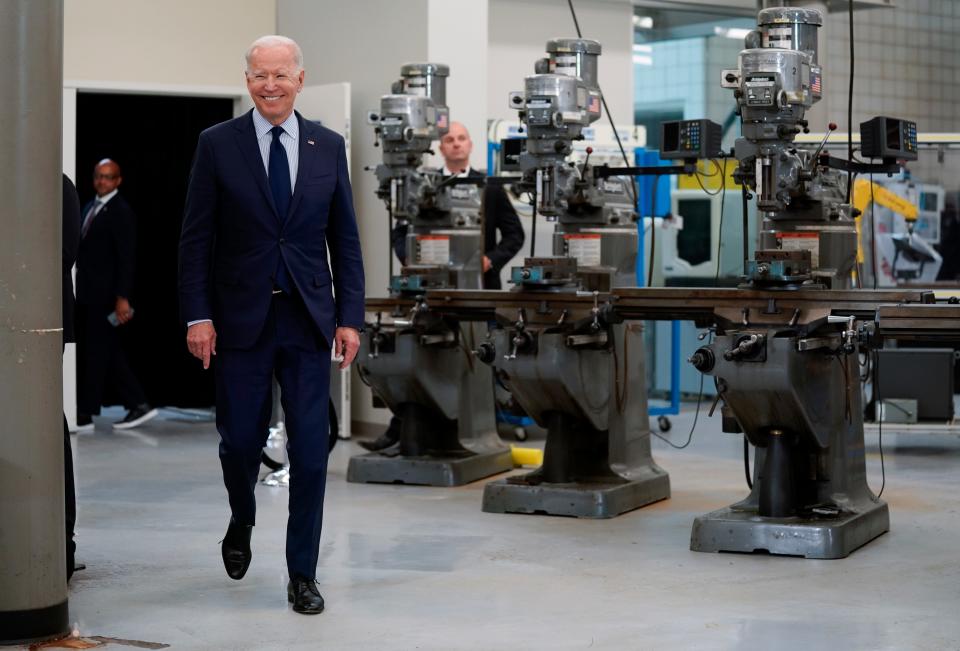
760, 89
884, 137
540, 111
690, 139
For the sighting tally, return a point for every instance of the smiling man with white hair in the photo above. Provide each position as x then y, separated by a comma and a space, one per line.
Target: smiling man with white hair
269, 194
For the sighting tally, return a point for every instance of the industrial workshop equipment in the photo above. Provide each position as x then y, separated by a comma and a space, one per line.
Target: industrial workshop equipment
421, 365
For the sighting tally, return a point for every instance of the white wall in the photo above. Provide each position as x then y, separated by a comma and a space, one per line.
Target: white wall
519, 29
457, 36
363, 42
180, 42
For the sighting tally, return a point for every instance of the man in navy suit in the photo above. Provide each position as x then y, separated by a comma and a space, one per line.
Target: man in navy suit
269, 195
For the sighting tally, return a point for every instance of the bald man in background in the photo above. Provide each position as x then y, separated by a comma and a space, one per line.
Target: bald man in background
106, 262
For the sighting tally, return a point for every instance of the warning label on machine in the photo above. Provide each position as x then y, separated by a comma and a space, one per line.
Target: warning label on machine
566, 64
802, 241
585, 247
433, 249
778, 37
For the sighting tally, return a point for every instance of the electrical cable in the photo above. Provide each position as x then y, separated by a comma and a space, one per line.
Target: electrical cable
865, 365
606, 109
573, 14
696, 416
390, 239
723, 200
533, 223
746, 227
850, 109
746, 461
653, 230
877, 410
883, 470
715, 166
698, 176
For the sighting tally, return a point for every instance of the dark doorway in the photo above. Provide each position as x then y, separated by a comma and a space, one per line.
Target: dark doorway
153, 139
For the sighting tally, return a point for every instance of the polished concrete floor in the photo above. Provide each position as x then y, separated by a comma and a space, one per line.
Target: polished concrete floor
423, 568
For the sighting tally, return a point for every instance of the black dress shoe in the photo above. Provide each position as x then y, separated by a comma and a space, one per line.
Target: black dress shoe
385, 440
304, 596
382, 442
136, 416
236, 549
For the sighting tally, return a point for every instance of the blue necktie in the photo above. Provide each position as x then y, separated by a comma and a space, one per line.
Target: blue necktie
278, 172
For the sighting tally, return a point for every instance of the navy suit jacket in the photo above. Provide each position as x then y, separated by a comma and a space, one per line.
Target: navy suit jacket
71, 243
106, 259
233, 237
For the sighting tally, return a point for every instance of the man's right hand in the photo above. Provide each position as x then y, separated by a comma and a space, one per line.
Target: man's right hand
202, 341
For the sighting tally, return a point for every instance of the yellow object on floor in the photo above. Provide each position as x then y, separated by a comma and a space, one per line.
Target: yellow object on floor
526, 456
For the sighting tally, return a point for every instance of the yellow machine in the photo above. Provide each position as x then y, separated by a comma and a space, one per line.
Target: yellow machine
918, 260
865, 192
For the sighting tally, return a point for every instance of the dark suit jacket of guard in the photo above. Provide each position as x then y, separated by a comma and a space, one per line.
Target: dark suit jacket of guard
106, 258
498, 215
233, 238
71, 243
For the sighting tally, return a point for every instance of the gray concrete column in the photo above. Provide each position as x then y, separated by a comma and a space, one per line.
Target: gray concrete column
33, 587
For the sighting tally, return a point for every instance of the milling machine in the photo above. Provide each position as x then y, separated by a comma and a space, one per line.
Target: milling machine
594, 211
419, 363
787, 370
567, 370
786, 364
443, 241
801, 204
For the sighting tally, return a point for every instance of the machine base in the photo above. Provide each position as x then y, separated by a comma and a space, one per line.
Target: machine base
578, 500
376, 468
729, 530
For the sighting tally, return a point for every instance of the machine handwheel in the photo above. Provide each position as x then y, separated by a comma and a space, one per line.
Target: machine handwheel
664, 423
520, 433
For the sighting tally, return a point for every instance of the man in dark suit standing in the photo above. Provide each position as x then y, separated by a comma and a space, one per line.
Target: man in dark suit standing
498, 215
105, 268
269, 194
